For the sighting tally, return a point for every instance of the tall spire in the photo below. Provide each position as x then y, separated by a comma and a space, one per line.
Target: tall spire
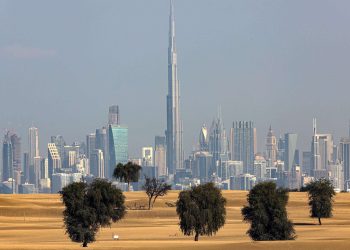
314, 126
172, 25
174, 123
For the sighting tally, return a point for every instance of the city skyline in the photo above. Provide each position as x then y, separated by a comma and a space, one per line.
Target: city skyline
18, 51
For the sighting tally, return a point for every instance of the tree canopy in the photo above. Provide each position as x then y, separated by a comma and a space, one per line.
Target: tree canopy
89, 207
155, 188
267, 214
201, 210
321, 193
129, 172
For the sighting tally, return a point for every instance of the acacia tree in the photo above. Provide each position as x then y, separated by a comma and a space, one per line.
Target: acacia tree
155, 188
321, 193
201, 210
90, 207
129, 172
266, 211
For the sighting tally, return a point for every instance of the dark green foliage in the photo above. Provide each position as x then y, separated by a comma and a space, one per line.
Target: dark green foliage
321, 193
266, 211
155, 188
89, 207
201, 210
129, 172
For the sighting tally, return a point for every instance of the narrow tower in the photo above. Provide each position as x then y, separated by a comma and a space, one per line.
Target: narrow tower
174, 124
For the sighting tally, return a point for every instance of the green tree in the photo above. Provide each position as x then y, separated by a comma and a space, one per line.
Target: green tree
321, 193
266, 211
155, 188
129, 172
90, 207
201, 210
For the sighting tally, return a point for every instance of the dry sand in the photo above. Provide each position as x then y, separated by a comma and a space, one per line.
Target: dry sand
35, 222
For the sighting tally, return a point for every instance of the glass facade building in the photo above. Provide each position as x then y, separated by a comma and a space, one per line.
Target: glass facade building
117, 145
290, 144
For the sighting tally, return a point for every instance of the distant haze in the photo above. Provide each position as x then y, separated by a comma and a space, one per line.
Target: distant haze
62, 63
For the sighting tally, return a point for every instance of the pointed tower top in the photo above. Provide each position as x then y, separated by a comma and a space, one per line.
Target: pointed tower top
270, 133
314, 126
172, 27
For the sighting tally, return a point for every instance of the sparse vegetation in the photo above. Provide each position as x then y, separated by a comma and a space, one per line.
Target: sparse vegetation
90, 207
201, 210
321, 193
267, 214
155, 188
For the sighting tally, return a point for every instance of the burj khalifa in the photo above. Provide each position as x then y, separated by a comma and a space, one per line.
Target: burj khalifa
174, 155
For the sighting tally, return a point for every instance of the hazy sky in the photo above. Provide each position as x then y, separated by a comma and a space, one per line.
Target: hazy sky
62, 63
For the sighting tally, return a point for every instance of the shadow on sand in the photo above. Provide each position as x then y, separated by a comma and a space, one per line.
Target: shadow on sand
304, 224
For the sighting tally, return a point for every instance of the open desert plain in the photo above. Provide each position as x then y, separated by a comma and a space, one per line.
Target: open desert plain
35, 222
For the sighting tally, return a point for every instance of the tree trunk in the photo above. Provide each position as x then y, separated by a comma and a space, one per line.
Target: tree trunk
196, 237
85, 244
149, 203
128, 186
154, 200
319, 221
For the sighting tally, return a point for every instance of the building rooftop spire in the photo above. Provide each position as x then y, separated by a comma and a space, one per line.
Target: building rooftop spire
172, 27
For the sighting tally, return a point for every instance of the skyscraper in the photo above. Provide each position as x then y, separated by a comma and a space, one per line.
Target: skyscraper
345, 159
243, 144
218, 143
60, 143
7, 158
101, 143
306, 163
118, 146
147, 156
113, 115
97, 167
160, 155
271, 147
33, 144
17, 154
36, 175
203, 139
174, 124
54, 159
290, 145
26, 166
90, 144
321, 150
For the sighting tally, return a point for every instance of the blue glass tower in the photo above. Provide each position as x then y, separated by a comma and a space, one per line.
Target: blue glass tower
118, 146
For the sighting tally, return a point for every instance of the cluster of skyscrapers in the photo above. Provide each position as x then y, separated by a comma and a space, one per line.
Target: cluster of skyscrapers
64, 163
230, 160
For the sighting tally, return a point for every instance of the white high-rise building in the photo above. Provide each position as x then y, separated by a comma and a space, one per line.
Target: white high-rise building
54, 159
321, 151
147, 156
97, 164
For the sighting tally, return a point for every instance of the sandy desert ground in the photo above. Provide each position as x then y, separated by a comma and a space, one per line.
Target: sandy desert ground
35, 222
